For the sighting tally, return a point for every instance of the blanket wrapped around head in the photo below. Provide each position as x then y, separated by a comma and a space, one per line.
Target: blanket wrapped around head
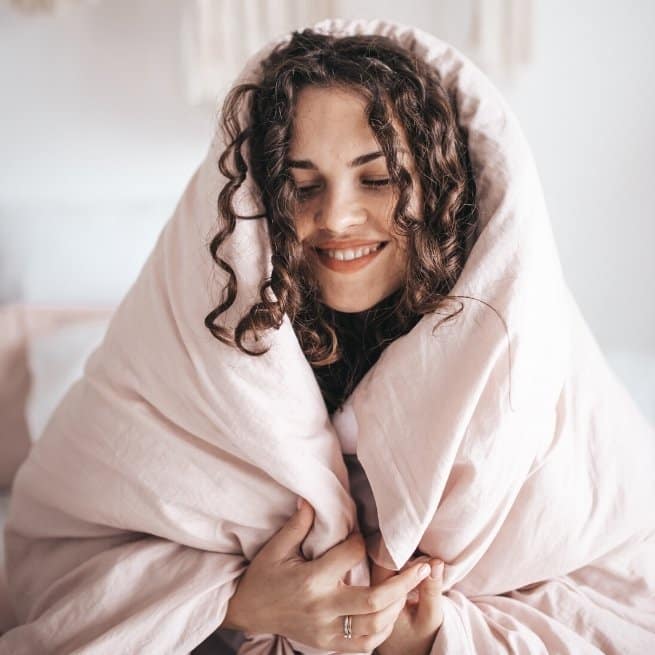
499, 442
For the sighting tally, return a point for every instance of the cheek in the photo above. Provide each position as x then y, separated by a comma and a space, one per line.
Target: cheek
402, 246
402, 255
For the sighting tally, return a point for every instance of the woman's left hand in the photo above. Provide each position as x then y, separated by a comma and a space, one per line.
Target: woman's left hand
419, 621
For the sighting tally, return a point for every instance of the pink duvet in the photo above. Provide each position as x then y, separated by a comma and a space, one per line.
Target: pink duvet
501, 443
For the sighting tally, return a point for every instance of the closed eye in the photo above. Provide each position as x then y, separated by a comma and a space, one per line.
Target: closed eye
304, 192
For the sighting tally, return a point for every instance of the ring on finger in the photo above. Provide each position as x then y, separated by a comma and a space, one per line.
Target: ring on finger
348, 626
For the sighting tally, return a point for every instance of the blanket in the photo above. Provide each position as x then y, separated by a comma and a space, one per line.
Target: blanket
499, 442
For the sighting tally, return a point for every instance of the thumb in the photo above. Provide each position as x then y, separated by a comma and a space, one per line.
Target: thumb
429, 613
287, 540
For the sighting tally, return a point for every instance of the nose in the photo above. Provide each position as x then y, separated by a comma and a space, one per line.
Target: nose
341, 211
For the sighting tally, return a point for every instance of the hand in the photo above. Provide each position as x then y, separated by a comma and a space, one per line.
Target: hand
419, 621
284, 594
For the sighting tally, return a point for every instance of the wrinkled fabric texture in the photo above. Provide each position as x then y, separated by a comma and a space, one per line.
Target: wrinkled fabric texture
499, 442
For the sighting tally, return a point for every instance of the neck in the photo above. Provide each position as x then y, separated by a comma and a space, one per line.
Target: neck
362, 337
382, 308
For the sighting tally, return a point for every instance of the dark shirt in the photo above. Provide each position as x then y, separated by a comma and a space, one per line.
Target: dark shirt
361, 344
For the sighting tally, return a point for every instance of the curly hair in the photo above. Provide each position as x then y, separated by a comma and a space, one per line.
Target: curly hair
395, 84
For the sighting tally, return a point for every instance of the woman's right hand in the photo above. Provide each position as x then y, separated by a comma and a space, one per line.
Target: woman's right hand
283, 593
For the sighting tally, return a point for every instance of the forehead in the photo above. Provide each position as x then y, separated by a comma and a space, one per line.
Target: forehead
331, 118
313, 101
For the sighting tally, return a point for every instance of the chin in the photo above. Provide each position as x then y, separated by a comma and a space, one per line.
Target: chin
354, 302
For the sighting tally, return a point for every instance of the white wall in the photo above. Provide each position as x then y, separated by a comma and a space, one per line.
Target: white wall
587, 108
96, 145
95, 130
93, 104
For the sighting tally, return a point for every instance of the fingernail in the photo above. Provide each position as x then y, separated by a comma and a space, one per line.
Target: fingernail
424, 570
437, 569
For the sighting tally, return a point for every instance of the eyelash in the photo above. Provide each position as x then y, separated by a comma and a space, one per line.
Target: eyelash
306, 192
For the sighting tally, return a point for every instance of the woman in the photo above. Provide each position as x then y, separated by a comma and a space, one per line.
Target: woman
353, 267
483, 437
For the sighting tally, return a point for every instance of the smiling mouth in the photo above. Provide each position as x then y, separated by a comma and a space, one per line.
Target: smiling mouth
328, 259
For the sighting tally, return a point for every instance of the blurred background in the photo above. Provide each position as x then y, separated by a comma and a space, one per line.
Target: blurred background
109, 105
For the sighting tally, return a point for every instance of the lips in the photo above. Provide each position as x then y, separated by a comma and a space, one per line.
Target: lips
351, 265
347, 245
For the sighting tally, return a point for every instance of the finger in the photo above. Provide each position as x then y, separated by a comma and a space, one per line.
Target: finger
412, 597
429, 613
379, 573
367, 600
336, 562
288, 539
359, 644
363, 625
415, 560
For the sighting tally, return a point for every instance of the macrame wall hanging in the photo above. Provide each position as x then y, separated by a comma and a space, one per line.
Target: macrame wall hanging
501, 36
218, 36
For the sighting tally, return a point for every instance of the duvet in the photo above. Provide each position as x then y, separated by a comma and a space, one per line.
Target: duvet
499, 442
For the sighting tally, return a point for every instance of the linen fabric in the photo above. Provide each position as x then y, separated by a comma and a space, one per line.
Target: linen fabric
499, 442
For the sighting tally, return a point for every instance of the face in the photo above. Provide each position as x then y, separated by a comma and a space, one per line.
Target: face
345, 207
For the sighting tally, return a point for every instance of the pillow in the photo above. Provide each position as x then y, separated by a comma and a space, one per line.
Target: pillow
14, 385
19, 325
67, 255
55, 361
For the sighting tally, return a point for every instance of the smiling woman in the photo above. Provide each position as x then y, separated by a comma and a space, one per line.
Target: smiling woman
369, 199
366, 184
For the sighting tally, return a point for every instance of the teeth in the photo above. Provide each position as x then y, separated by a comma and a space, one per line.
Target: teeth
347, 255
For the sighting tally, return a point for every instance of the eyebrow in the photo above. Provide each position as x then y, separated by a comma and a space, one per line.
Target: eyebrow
358, 161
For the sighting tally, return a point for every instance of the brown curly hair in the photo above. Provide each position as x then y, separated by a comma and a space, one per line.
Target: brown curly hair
390, 79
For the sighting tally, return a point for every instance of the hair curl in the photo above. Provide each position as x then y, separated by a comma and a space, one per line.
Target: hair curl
391, 79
